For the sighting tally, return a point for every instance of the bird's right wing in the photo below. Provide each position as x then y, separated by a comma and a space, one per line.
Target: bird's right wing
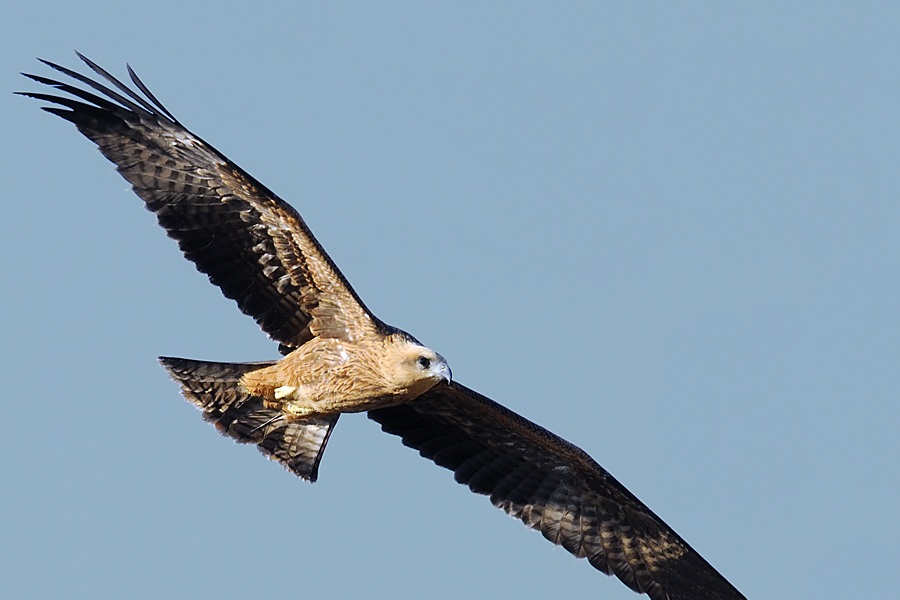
555, 488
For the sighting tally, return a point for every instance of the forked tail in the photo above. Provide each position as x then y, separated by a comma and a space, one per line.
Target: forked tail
216, 389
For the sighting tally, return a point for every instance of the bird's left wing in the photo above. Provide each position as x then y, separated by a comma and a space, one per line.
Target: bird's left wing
554, 487
252, 245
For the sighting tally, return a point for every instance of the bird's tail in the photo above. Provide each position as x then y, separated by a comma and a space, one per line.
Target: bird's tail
216, 389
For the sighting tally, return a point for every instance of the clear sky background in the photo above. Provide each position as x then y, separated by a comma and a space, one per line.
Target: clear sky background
668, 233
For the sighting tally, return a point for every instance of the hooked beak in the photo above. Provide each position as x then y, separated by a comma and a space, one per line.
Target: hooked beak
443, 371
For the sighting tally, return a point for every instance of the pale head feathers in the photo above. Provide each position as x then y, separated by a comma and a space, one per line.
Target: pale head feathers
412, 366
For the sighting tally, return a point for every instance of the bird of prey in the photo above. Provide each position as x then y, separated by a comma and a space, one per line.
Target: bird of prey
338, 357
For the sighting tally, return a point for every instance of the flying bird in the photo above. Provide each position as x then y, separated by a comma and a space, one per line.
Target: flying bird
338, 357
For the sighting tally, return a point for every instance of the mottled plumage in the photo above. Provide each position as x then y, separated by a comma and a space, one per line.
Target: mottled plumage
260, 253
341, 358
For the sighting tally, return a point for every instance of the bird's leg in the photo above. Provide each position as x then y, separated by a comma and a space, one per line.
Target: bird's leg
297, 411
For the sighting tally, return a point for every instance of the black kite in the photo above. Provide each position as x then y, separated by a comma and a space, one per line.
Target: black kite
340, 358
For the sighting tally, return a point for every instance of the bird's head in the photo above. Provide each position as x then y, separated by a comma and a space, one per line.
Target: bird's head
414, 367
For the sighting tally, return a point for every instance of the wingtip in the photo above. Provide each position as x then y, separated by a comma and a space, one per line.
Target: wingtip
170, 365
51, 64
41, 79
29, 76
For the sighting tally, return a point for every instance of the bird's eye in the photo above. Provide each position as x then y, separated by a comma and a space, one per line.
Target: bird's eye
424, 362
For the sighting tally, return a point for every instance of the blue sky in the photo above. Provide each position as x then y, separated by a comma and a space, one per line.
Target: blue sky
667, 233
